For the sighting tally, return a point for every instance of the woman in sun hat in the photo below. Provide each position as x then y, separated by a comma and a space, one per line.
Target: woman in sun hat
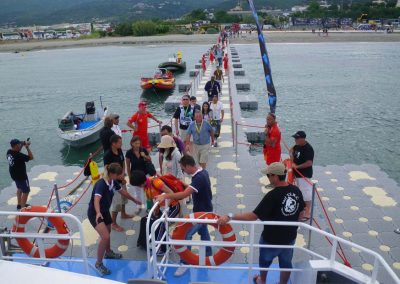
170, 164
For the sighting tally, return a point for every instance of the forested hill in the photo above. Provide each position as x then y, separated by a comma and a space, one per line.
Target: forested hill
42, 12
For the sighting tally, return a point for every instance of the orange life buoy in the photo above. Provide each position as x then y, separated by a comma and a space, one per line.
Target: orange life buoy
290, 175
32, 249
222, 255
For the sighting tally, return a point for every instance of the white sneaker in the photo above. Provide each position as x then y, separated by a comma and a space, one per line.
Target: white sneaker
180, 271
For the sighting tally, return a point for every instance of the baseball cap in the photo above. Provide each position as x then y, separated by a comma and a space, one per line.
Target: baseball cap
114, 116
276, 168
299, 134
167, 142
14, 142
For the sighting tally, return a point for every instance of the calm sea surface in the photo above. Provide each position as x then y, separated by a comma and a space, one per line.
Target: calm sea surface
344, 95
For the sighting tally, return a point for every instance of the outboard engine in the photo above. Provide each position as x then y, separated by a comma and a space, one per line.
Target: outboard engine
90, 111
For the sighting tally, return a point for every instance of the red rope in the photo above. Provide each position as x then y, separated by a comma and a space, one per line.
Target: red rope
80, 197
83, 169
346, 262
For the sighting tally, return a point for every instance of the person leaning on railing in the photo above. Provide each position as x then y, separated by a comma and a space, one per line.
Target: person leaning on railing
283, 203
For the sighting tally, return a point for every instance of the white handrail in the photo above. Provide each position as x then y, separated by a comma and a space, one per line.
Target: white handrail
41, 237
378, 259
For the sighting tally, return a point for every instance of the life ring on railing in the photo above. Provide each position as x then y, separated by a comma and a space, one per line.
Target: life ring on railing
222, 255
32, 249
290, 174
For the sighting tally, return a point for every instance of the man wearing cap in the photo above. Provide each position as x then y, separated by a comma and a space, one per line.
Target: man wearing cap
272, 144
184, 115
283, 203
139, 123
115, 119
212, 88
17, 167
302, 156
202, 133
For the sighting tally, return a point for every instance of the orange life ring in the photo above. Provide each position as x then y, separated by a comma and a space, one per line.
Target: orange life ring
290, 175
32, 249
222, 255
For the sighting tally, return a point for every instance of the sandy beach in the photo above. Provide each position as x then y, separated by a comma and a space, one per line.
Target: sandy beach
245, 38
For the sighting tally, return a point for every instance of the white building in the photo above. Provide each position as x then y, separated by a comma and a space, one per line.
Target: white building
299, 8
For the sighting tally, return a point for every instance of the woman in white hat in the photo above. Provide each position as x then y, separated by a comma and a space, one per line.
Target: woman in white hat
170, 164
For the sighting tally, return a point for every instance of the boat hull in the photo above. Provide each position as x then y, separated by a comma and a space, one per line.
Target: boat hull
160, 84
80, 138
173, 66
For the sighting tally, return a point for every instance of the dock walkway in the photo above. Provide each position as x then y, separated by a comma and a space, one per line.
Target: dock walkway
361, 200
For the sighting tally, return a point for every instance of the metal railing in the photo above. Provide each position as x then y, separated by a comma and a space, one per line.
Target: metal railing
157, 269
40, 237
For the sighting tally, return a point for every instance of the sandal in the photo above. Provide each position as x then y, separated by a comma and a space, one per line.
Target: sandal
304, 219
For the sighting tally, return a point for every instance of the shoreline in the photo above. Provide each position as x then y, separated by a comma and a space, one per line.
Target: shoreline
245, 38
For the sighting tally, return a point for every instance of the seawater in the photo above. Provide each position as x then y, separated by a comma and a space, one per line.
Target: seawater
344, 95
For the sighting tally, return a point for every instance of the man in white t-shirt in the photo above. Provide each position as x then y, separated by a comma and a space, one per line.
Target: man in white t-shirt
115, 119
217, 118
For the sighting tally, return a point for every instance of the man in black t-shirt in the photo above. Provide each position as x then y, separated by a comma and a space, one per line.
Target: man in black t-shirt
16, 161
184, 114
106, 133
283, 203
115, 155
200, 189
302, 155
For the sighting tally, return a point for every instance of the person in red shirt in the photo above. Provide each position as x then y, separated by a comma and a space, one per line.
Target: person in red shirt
203, 63
139, 123
226, 62
212, 55
272, 145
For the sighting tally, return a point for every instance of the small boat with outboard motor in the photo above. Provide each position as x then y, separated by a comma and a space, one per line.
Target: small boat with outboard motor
161, 80
79, 130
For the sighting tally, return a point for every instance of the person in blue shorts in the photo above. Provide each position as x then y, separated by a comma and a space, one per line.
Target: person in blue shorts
283, 203
17, 167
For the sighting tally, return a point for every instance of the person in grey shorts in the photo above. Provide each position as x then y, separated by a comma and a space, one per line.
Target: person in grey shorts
202, 133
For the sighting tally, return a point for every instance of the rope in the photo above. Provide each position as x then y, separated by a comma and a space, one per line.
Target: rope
345, 260
322, 205
80, 197
83, 169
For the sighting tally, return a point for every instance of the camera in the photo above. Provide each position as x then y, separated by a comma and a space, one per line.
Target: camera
27, 142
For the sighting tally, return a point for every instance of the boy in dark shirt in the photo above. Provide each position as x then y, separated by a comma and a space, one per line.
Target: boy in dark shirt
200, 189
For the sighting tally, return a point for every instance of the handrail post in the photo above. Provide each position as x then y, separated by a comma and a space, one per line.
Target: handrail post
375, 271
57, 198
236, 137
252, 232
311, 214
333, 252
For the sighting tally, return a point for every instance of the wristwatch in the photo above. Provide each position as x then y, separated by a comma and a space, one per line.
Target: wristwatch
230, 215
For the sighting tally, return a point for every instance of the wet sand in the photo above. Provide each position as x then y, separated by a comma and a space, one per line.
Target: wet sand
245, 38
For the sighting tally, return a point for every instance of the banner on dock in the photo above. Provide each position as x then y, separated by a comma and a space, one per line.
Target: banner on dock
265, 60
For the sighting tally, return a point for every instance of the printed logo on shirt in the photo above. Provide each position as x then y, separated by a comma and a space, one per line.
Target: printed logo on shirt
290, 204
10, 160
297, 154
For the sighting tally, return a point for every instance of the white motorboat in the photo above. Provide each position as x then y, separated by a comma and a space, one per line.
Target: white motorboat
79, 130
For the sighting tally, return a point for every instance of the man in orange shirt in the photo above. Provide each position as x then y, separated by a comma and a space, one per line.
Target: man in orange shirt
139, 123
272, 145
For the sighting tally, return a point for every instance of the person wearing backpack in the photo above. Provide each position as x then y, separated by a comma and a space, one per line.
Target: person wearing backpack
153, 187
